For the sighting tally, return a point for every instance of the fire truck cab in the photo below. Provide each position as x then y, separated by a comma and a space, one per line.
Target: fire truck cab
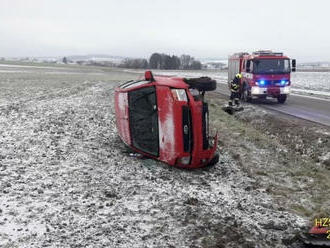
264, 74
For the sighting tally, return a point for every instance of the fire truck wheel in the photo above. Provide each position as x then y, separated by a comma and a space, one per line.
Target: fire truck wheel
281, 99
245, 94
202, 83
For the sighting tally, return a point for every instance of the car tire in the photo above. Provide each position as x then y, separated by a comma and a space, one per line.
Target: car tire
281, 99
202, 83
246, 95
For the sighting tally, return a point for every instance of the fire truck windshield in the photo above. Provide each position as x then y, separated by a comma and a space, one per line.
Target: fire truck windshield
271, 66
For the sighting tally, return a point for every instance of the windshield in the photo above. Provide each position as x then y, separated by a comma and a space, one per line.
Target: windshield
271, 66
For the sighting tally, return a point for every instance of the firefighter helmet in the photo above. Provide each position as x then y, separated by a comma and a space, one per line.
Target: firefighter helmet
238, 75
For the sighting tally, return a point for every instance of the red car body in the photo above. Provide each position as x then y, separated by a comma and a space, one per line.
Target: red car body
264, 74
160, 118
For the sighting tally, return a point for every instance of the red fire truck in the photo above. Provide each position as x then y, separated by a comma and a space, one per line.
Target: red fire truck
264, 74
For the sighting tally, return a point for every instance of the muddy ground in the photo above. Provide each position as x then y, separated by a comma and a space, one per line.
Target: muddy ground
66, 179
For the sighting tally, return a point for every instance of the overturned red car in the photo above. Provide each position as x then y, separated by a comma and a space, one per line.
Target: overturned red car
166, 118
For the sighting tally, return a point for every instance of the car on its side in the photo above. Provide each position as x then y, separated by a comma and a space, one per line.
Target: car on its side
166, 118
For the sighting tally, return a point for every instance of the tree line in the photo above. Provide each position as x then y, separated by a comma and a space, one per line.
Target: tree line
163, 61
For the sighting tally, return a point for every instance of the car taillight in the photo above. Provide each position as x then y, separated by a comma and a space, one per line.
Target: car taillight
183, 160
179, 94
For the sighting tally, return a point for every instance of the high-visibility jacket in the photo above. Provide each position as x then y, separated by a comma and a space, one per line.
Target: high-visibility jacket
235, 85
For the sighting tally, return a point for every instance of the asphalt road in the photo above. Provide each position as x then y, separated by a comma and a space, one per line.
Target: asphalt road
305, 107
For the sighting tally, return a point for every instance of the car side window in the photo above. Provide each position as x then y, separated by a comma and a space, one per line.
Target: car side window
143, 118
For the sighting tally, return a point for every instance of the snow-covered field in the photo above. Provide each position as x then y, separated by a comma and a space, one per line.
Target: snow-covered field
66, 181
319, 81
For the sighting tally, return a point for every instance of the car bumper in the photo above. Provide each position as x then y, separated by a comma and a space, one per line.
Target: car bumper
270, 91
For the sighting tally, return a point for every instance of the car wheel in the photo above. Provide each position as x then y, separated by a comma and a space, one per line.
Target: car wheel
281, 99
202, 83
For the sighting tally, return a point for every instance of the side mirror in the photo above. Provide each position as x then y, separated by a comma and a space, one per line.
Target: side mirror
293, 65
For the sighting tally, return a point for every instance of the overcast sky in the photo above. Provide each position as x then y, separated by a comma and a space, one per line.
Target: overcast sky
203, 28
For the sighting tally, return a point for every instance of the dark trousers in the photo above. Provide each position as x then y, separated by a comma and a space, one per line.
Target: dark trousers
234, 96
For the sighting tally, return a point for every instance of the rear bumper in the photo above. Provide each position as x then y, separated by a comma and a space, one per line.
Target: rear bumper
270, 91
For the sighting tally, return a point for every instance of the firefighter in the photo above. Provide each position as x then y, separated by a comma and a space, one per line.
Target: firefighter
234, 88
